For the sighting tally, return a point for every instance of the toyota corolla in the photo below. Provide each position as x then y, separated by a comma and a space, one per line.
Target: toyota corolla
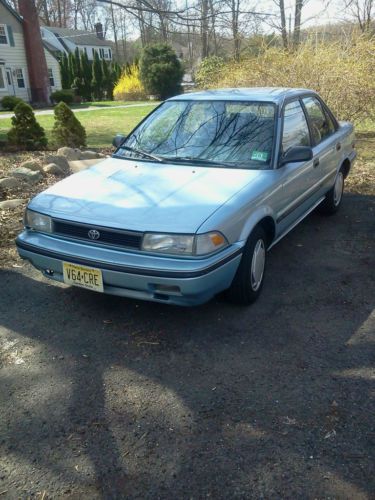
193, 197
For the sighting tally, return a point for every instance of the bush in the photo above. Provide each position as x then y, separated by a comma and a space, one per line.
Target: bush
160, 70
26, 131
129, 87
9, 102
65, 95
67, 130
209, 71
342, 72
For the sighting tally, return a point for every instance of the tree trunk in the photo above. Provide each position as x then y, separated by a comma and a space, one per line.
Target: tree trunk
114, 28
235, 29
284, 34
297, 23
204, 28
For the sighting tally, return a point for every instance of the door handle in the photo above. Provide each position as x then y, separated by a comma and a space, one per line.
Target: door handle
338, 146
316, 162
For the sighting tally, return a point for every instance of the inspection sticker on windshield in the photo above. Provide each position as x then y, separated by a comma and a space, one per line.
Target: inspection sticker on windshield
259, 155
85, 277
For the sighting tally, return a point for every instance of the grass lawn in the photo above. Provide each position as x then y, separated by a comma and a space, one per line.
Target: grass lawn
83, 105
105, 104
101, 125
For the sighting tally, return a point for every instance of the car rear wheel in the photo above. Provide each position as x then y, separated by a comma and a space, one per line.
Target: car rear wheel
248, 281
333, 198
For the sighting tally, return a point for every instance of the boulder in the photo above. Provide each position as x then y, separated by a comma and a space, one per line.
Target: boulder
27, 175
10, 204
53, 169
8, 183
34, 165
89, 155
59, 160
70, 154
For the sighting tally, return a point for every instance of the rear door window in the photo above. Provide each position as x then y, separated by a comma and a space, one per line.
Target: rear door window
321, 124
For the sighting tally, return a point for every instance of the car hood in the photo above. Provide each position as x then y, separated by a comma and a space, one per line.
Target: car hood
143, 196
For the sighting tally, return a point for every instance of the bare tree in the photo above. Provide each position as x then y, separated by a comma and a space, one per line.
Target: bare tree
362, 11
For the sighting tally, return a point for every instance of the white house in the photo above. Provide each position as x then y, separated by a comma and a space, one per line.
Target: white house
14, 67
66, 40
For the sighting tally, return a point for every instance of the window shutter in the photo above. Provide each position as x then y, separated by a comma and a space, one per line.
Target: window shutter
10, 36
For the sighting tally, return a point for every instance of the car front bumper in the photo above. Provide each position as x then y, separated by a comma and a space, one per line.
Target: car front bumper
173, 280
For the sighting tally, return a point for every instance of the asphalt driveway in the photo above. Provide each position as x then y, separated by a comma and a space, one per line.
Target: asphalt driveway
103, 397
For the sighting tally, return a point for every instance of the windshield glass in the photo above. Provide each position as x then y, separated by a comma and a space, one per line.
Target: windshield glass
230, 133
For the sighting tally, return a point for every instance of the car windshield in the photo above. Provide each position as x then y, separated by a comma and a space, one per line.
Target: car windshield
218, 133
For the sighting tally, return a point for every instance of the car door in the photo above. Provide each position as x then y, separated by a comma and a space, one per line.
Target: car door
298, 178
326, 147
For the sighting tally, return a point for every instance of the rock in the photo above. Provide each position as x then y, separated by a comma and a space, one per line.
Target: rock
59, 160
27, 175
89, 155
70, 154
10, 204
53, 169
34, 165
8, 182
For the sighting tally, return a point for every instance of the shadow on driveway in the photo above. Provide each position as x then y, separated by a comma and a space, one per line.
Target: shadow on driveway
104, 397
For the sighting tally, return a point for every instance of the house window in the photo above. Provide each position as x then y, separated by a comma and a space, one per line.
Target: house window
109, 54
2, 80
20, 79
51, 79
3, 35
105, 53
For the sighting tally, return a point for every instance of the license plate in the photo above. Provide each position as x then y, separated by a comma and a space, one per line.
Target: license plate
85, 277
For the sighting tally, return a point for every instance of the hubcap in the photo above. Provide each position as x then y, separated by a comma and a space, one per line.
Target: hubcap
337, 190
257, 265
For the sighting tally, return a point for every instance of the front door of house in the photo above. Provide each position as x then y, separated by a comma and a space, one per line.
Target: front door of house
10, 82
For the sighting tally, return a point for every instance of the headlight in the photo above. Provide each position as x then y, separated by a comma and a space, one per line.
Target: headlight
168, 243
38, 222
184, 244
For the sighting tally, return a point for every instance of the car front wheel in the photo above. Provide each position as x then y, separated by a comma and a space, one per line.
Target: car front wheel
248, 281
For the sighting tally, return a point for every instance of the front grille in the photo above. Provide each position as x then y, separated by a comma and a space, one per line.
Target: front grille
110, 236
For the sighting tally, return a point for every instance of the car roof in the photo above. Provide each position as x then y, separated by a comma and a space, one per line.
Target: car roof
269, 94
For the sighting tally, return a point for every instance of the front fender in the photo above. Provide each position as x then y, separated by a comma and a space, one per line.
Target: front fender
253, 220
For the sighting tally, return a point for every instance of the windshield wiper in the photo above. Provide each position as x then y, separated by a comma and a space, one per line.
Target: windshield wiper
190, 159
142, 153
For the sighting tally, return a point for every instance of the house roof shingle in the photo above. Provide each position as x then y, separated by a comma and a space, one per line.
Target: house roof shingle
78, 37
11, 10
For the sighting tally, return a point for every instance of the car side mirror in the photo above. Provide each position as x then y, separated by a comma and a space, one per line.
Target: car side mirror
118, 140
297, 153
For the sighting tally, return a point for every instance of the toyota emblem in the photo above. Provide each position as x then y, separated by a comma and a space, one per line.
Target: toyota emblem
93, 234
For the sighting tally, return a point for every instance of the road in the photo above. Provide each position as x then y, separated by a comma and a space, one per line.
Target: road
103, 397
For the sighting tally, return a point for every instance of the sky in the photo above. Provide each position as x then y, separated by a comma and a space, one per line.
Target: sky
319, 11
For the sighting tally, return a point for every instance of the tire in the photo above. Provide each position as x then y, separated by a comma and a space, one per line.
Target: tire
248, 281
333, 198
